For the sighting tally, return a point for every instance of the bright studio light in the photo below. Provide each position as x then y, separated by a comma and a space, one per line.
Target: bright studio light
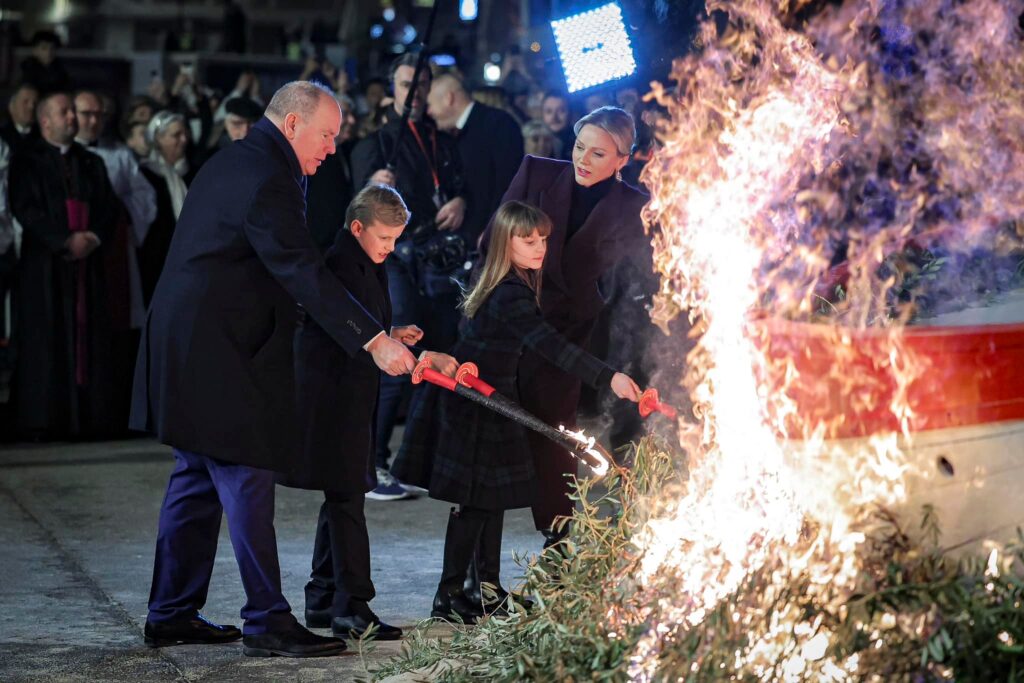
492, 72
594, 47
468, 10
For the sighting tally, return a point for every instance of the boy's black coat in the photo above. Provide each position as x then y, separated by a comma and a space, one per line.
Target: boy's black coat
337, 393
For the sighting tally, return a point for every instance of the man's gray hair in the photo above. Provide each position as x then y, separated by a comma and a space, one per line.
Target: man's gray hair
298, 97
453, 81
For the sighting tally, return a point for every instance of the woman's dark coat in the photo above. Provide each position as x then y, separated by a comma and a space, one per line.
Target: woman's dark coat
152, 253
570, 302
336, 393
464, 453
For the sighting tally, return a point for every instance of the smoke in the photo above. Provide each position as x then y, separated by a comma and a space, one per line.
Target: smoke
920, 197
919, 184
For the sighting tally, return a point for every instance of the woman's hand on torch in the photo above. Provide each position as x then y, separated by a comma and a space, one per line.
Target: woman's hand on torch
442, 362
407, 334
625, 387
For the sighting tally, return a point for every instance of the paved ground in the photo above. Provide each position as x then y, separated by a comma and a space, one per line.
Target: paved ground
77, 526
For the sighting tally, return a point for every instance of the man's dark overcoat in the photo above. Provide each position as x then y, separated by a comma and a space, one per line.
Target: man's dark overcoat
215, 371
328, 196
491, 148
337, 393
570, 301
46, 296
464, 453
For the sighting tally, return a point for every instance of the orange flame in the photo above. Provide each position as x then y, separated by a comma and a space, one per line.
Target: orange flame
768, 143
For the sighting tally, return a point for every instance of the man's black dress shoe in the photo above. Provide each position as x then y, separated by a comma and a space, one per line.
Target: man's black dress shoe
354, 626
453, 601
499, 605
188, 631
318, 618
295, 641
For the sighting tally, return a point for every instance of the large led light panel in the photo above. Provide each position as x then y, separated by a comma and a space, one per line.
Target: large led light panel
593, 47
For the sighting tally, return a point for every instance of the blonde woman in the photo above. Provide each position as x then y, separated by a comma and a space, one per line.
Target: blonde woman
465, 454
595, 222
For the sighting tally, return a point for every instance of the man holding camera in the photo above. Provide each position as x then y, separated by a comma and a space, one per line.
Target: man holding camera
427, 172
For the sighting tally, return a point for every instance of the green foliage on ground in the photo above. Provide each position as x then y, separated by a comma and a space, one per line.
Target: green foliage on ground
916, 613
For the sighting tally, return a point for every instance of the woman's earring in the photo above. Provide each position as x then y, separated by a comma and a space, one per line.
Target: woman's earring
618, 175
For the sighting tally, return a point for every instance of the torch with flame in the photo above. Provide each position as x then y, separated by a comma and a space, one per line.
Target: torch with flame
468, 384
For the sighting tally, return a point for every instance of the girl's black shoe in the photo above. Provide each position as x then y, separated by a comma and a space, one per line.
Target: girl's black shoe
453, 601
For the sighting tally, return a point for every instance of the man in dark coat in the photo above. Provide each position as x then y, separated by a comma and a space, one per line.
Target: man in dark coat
62, 197
215, 376
490, 147
20, 126
337, 405
556, 114
240, 114
43, 68
428, 174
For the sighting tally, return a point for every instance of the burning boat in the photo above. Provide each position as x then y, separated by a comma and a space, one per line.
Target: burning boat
965, 411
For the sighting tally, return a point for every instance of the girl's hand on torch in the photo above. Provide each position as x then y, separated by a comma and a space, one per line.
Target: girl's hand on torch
443, 363
625, 387
407, 334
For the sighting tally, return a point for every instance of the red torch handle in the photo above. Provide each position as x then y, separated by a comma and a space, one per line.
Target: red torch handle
423, 371
649, 403
667, 410
468, 375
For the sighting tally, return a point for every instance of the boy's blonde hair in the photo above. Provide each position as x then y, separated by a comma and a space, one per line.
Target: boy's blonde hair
513, 219
377, 203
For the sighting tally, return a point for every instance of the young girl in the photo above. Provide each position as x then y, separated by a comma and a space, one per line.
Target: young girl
466, 454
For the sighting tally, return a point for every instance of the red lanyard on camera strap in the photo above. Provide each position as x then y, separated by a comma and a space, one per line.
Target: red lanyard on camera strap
431, 161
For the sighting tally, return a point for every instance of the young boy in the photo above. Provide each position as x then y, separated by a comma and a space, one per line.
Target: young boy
337, 400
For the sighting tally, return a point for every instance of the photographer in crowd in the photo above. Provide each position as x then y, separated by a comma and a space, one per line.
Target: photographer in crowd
427, 173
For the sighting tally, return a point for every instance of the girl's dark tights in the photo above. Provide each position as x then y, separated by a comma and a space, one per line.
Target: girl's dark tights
465, 527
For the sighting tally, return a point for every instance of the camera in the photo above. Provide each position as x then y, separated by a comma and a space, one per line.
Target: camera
443, 251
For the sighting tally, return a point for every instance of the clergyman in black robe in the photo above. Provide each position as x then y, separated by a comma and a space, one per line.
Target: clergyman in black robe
63, 199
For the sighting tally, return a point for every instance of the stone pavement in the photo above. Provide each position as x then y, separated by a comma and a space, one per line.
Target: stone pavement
77, 528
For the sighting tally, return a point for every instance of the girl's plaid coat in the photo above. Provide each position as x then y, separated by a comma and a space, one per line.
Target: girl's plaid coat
460, 451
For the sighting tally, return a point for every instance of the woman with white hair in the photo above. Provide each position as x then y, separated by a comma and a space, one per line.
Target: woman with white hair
167, 169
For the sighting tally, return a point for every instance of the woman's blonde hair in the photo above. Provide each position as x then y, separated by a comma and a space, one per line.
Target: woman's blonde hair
614, 121
513, 219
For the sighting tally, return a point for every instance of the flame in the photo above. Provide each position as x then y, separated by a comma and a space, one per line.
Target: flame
600, 463
780, 147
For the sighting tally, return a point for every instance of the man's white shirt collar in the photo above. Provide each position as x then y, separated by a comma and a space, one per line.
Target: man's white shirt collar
461, 123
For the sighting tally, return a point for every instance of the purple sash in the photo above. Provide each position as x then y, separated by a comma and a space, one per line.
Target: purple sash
78, 221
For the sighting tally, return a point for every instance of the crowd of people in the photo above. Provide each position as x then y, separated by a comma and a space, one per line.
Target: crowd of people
153, 261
